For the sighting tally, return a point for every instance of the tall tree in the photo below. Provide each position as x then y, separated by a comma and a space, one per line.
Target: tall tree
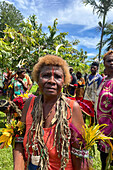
9, 15
101, 7
108, 32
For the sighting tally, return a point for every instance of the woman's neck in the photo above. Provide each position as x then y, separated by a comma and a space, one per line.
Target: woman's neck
49, 100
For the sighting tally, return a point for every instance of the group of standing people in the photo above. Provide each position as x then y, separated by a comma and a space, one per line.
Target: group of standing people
49, 141
97, 94
84, 91
75, 89
16, 85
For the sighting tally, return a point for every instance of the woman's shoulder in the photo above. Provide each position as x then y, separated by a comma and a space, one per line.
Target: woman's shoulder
77, 118
72, 103
26, 107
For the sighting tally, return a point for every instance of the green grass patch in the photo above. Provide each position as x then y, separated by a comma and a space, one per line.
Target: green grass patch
96, 160
6, 156
6, 159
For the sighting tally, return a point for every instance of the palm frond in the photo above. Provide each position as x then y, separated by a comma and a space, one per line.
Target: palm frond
93, 134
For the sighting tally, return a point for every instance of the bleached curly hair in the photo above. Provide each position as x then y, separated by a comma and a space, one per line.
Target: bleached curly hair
54, 61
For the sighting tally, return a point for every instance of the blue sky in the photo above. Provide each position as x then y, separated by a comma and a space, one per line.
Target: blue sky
73, 17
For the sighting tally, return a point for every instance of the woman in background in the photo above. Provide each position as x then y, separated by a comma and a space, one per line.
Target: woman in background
104, 107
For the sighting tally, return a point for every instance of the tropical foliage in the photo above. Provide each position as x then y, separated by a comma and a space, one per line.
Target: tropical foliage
12, 130
92, 135
108, 32
9, 15
31, 42
101, 7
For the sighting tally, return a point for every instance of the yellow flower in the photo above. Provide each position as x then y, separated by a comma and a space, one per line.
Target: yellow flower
20, 126
6, 138
25, 95
10, 86
8, 134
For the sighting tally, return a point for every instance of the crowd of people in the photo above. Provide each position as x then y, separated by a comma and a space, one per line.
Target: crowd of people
65, 100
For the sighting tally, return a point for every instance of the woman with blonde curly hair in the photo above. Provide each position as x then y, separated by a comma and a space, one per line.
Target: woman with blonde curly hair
49, 142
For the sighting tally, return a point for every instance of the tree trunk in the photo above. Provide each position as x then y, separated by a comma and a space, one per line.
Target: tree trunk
101, 40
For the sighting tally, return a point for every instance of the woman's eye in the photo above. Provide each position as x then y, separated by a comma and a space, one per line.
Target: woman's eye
45, 75
58, 76
110, 61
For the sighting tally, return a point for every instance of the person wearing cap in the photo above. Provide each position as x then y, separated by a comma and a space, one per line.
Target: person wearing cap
92, 83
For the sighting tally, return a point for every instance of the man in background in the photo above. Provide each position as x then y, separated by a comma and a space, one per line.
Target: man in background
92, 83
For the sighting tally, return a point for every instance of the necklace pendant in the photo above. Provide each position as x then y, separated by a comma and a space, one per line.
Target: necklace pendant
35, 159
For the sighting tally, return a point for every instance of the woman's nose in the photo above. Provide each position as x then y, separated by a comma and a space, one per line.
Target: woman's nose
52, 80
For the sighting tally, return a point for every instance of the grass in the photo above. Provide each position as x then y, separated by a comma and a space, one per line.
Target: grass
6, 155
6, 159
96, 160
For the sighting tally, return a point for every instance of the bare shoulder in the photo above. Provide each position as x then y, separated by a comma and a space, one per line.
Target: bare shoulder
77, 117
25, 109
75, 106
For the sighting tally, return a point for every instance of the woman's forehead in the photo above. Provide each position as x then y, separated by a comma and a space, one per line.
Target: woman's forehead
50, 68
109, 56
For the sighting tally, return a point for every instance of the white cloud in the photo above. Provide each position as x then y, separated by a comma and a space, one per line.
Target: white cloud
87, 41
73, 12
77, 13
7, 1
22, 4
91, 54
110, 16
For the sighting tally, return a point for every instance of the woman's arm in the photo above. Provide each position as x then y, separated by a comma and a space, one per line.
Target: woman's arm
18, 157
78, 123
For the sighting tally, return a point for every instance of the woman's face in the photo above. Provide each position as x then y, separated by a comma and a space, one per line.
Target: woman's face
108, 62
51, 80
